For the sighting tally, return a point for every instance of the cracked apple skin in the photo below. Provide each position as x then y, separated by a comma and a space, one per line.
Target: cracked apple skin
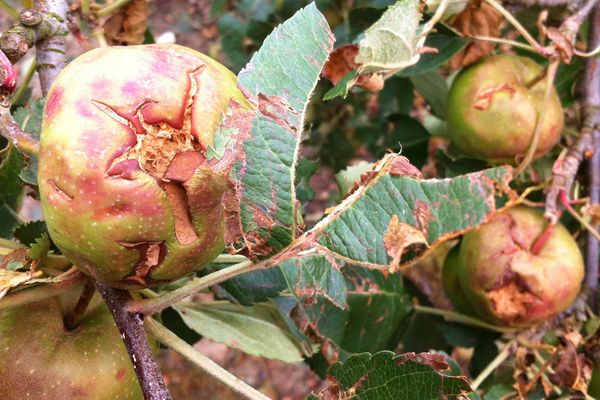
492, 114
128, 190
40, 359
505, 282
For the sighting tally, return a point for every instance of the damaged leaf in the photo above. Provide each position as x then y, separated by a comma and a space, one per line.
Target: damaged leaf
263, 211
440, 209
127, 26
384, 376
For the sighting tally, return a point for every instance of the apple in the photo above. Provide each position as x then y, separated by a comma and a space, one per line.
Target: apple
515, 272
493, 107
41, 359
127, 188
451, 283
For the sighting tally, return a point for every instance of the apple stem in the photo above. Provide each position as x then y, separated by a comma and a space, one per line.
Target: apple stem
76, 315
541, 240
134, 336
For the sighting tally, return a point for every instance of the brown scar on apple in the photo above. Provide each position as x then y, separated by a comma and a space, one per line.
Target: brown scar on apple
59, 190
151, 255
485, 97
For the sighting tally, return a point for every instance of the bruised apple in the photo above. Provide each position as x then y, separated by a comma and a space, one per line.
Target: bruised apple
128, 188
516, 272
41, 359
493, 107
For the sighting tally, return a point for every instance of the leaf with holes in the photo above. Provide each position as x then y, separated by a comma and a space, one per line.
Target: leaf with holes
386, 376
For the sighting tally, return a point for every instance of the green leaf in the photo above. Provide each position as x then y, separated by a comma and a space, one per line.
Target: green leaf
232, 32
258, 330
434, 90
440, 209
498, 392
280, 79
342, 87
30, 117
391, 42
11, 189
305, 169
251, 288
346, 178
28, 232
446, 42
308, 277
39, 249
386, 376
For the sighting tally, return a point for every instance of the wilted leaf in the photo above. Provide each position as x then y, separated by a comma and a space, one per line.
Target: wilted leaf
398, 237
386, 376
478, 19
257, 330
350, 176
12, 279
391, 43
128, 25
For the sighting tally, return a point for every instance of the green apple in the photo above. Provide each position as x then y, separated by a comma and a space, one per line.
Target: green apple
493, 107
41, 359
451, 283
506, 281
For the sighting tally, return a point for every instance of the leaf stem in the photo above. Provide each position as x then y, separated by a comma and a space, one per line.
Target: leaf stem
169, 339
464, 319
9, 244
115, 5
512, 43
499, 359
10, 10
229, 259
73, 319
152, 306
509, 17
26, 79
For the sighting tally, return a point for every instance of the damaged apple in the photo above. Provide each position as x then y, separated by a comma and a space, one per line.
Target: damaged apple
128, 186
493, 108
518, 271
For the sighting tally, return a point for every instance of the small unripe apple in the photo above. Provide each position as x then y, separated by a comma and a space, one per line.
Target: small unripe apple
516, 272
493, 107
40, 359
128, 189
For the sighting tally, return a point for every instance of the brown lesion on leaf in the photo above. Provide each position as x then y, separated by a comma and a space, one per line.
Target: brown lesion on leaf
151, 255
278, 110
398, 238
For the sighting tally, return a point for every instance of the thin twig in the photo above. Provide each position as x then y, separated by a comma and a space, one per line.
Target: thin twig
499, 359
509, 17
592, 79
115, 5
10, 10
169, 339
132, 331
464, 319
512, 43
26, 80
153, 306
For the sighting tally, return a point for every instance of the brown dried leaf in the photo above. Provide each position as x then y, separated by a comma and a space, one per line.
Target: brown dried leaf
569, 369
398, 237
128, 25
11, 279
341, 63
477, 19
